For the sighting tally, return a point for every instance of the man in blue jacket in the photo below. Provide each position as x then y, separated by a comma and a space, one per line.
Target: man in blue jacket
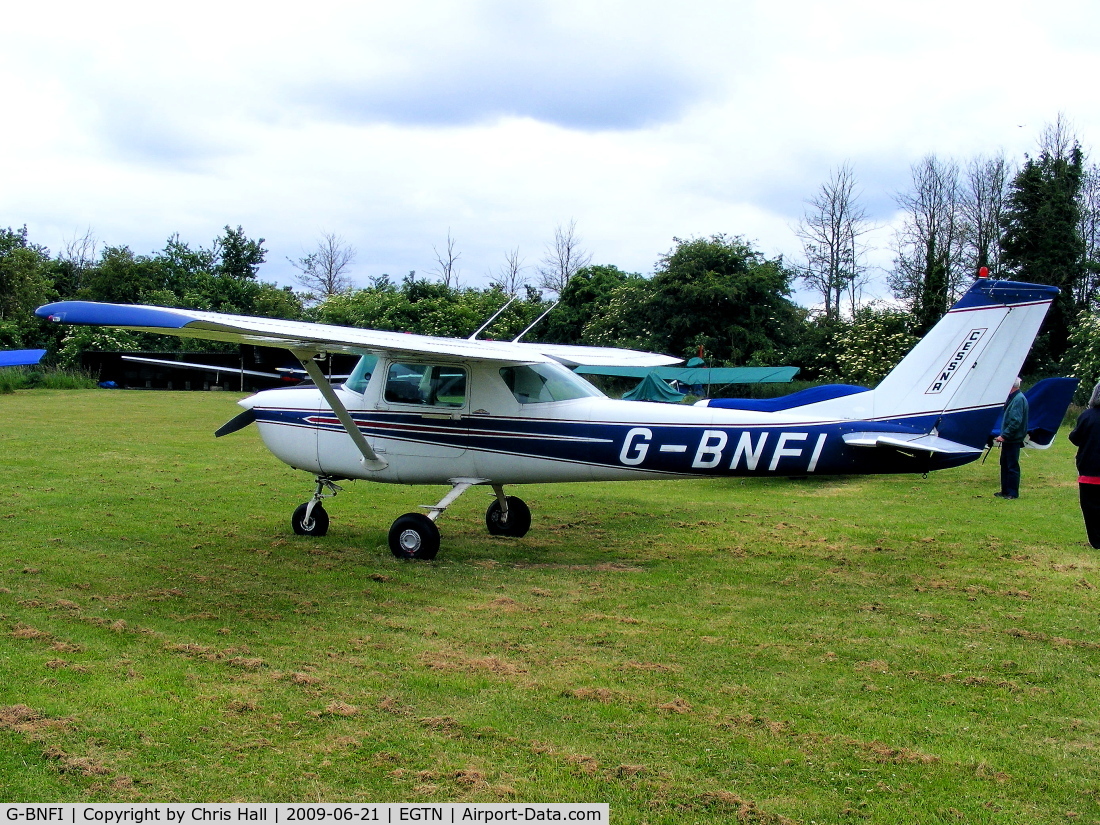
1011, 439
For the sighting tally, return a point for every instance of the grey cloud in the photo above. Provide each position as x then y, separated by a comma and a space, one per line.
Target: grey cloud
527, 66
561, 96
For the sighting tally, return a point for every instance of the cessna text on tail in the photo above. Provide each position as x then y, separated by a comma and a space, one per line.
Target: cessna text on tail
421, 410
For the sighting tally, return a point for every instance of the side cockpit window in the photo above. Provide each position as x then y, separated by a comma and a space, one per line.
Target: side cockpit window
429, 384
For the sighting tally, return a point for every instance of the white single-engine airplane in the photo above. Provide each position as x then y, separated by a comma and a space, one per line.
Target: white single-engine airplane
423, 410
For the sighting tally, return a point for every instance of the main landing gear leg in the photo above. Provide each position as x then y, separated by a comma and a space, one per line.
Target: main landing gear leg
414, 535
310, 519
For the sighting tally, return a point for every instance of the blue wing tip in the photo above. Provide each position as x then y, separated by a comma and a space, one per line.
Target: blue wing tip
112, 315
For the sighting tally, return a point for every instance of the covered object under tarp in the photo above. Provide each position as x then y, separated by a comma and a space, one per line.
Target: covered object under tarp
653, 388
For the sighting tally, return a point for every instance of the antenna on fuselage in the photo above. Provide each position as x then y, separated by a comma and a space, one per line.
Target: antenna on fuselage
516, 339
482, 328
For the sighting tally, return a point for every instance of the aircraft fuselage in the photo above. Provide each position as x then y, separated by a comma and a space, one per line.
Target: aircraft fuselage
486, 432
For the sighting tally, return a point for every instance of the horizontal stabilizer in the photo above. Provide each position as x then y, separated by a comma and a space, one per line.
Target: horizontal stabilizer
918, 443
1048, 401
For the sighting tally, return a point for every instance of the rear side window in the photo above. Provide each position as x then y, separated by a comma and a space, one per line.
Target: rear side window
432, 385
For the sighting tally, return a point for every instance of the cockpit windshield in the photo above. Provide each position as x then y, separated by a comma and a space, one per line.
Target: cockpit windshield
360, 376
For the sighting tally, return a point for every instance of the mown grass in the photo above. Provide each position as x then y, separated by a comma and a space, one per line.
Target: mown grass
895, 649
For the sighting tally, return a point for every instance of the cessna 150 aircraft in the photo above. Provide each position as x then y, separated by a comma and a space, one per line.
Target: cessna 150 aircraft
423, 410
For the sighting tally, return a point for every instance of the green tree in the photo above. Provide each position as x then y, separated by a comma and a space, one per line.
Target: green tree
1083, 355
187, 274
277, 302
934, 298
624, 318
930, 242
239, 257
428, 308
870, 345
1042, 241
723, 295
585, 297
233, 285
121, 277
25, 284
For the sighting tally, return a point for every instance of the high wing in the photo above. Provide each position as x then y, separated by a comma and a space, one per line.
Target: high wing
302, 337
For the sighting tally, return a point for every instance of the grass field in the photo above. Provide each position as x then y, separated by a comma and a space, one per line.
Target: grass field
894, 649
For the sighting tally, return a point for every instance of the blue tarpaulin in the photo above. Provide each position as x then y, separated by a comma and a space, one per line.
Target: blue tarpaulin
699, 375
786, 402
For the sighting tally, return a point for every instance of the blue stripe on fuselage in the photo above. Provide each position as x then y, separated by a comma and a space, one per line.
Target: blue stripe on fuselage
785, 450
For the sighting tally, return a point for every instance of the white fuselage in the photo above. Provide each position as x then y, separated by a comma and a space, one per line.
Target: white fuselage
492, 431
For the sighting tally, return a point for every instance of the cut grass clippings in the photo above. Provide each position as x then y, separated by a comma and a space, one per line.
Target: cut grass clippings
872, 649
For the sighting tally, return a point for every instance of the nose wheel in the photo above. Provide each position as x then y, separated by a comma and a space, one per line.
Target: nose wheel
310, 519
306, 523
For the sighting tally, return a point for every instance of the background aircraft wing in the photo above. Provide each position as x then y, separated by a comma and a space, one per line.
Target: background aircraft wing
299, 335
190, 365
21, 357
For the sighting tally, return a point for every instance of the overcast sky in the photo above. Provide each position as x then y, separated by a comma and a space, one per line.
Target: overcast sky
391, 124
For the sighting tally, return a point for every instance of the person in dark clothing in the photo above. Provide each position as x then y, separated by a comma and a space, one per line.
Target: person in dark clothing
1011, 439
1085, 435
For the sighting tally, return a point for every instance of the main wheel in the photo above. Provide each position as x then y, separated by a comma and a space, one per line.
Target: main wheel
414, 536
518, 522
317, 524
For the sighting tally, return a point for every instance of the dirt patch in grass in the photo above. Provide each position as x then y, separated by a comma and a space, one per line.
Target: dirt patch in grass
23, 631
733, 808
457, 662
28, 722
598, 694
654, 667
36, 727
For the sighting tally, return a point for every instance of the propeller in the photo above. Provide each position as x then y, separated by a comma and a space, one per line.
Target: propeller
238, 422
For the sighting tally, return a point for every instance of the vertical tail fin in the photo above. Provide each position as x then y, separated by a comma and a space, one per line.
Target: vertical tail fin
956, 378
969, 359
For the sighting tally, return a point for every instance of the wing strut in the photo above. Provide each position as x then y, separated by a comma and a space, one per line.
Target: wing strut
516, 339
484, 326
370, 458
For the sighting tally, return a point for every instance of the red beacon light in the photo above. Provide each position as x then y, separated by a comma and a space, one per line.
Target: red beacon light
983, 272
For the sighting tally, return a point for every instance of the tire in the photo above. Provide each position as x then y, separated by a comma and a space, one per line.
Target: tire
318, 524
414, 536
519, 518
